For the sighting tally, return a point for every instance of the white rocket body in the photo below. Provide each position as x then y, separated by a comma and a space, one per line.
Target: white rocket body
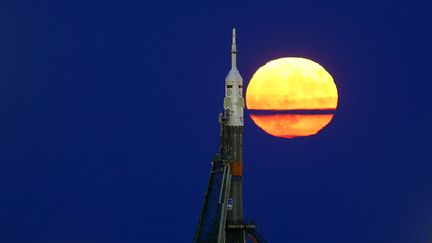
234, 102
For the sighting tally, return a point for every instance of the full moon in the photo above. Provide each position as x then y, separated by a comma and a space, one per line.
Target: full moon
291, 97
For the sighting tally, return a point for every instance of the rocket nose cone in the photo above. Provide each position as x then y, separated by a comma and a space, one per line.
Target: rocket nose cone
234, 76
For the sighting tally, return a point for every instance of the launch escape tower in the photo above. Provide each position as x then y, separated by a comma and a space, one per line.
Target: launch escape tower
221, 219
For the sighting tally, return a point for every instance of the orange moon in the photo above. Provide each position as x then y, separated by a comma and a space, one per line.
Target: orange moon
291, 97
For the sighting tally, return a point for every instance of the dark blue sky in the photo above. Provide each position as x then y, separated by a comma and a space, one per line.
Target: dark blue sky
108, 120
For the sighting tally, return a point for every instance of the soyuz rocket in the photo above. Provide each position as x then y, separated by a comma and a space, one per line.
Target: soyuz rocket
231, 121
221, 219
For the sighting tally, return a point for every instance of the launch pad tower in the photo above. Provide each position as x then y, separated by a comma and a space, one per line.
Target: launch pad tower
221, 219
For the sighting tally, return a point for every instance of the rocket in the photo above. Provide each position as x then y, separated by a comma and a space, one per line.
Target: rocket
231, 122
221, 219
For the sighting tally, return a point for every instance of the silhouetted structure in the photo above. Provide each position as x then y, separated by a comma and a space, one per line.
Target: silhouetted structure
221, 219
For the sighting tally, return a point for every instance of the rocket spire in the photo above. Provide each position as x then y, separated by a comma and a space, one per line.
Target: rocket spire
234, 50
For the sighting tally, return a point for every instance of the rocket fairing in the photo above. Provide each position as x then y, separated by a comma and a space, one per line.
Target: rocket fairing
234, 102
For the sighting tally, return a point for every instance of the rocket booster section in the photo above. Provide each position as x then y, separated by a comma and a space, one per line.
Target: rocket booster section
234, 101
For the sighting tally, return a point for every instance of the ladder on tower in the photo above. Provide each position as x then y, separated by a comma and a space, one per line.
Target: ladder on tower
211, 227
212, 223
